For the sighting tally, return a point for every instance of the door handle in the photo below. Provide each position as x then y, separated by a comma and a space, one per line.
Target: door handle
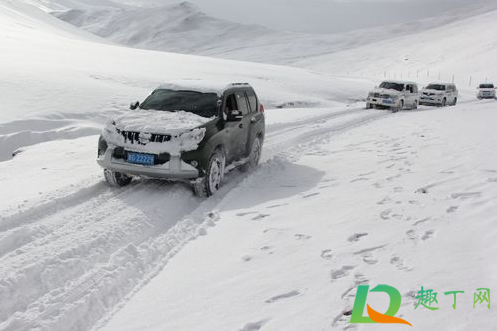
240, 125
253, 120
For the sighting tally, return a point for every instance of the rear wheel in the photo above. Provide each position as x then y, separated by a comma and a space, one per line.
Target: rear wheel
455, 102
211, 182
444, 102
254, 156
415, 106
117, 179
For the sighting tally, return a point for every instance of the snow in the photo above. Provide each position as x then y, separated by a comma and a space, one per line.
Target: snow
344, 195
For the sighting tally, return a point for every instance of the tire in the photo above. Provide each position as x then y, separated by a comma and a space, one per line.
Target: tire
369, 106
455, 102
399, 108
415, 105
254, 156
116, 179
206, 186
444, 102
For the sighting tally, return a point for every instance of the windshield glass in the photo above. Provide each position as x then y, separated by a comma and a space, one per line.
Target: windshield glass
392, 86
202, 104
487, 86
436, 87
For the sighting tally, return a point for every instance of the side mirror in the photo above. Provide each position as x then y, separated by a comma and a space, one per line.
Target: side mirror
134, 105
234, 116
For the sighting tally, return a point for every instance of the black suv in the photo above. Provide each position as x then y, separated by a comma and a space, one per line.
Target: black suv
187, 131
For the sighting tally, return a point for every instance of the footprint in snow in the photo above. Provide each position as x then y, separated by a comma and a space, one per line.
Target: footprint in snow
327, 254
283, 296
452, 209
246, 213
310, 195
342, 272
357, 236
260, 217
300, 236
428, 235
466, 195
276, 206
254, 326
399, 263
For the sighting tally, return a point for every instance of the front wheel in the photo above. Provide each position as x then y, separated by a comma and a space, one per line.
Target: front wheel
444, 102
415, 106
369, 106
117, 179
399, 107
455, 102
211, 182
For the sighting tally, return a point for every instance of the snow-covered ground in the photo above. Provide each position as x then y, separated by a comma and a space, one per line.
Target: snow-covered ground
344, 196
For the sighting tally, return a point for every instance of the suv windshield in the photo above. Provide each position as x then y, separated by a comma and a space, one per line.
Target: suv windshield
392, 86
487, 86
436, 87
202, 104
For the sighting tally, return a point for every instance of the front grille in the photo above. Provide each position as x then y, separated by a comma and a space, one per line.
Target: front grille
133, 137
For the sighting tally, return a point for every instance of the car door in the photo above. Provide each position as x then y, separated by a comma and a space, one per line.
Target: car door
235, 134
256, 117
410, 96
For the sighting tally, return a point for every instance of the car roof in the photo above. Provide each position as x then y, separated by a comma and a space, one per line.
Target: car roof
199, 85
399, 82
438, 83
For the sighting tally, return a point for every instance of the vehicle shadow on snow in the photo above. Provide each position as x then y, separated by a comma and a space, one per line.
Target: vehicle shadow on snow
277, 179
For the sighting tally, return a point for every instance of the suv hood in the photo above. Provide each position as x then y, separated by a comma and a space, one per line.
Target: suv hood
386, 91
161, 122
152, 131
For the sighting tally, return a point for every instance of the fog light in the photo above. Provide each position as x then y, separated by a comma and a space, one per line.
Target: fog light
194, 163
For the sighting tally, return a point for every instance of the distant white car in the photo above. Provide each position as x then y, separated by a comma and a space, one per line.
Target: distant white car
439, 94
486, 91
394, 95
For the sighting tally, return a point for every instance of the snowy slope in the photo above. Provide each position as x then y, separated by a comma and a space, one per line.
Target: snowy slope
464, 49
184, 28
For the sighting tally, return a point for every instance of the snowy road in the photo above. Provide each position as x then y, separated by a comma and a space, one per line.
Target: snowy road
76, 248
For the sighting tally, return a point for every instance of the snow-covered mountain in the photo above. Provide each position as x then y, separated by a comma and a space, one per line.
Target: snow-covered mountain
463, 50
184, 28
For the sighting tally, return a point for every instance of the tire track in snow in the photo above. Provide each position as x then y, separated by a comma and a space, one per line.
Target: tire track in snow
83, 276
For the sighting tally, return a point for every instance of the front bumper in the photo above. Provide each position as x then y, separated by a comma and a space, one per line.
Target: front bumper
430, 100
174, 169
383, 102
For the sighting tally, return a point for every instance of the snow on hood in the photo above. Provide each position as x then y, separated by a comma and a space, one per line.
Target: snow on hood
161, 122
183, 127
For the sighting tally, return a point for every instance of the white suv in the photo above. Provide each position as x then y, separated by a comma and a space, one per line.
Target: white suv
439, 94
486, 91
394, 95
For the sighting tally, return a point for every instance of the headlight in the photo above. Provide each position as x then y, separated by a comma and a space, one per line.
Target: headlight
394, 97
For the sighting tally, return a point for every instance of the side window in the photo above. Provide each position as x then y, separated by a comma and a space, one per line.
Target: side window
241, 101
230, 103
252, 101
409, 88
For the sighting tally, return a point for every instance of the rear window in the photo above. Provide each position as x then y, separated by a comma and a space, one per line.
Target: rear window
486, 85
252, 100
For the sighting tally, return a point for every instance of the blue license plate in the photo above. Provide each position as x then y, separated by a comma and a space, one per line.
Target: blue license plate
139, 158
387, 101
